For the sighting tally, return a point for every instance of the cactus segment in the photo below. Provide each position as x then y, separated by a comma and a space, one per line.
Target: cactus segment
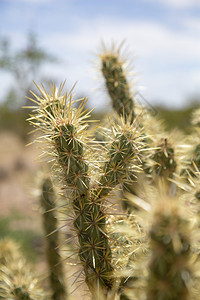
56, 272
116, 169
117, 85
164, 158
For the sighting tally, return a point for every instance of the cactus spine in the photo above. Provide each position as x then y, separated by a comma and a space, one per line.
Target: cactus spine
56, 274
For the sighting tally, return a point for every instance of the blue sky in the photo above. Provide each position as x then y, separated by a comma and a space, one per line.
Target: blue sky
162, 36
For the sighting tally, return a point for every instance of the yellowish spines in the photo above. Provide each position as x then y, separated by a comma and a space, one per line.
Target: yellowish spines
117, 84
17, 279
170, 267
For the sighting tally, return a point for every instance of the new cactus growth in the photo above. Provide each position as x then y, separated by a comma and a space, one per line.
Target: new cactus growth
117, 84
164, 158
50, 223
123, 156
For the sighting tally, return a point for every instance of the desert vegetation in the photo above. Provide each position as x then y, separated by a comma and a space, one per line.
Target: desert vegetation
118, 197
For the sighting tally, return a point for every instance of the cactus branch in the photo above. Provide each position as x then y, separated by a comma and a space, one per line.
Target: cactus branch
56, 272
117, 84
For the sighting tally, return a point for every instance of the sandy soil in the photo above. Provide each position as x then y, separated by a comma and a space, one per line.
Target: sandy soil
17, 169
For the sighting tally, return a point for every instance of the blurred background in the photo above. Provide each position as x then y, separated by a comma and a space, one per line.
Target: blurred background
47, 40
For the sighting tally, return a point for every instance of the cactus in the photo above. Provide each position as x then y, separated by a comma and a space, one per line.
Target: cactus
129, 249
117, 84
113, 245
66, 129
17, 280
169, 269
9, 251
164, 157
163, 163
50, 223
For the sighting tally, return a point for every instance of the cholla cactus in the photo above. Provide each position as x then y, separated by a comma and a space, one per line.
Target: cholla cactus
193, 156
93, 174
170, 266
66, 130
164, 160
50, 223
113, 69
192, 192
17, 280
160, 159
115, 72
9, 251
129, 248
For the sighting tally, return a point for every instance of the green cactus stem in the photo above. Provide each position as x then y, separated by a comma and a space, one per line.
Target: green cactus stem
114, 72
163, 165
122, 158
164, 158
89, 219
66, 129
117, 84
50, 224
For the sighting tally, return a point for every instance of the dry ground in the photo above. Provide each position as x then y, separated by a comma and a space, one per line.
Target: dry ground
17, 169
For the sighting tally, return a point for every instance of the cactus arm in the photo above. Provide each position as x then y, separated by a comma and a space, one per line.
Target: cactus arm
66, 131
116, 170
117, 84
56, 272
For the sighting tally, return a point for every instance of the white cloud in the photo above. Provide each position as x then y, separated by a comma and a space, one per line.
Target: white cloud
31, 1
163, 54
193, 25
164, 57
179, 4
